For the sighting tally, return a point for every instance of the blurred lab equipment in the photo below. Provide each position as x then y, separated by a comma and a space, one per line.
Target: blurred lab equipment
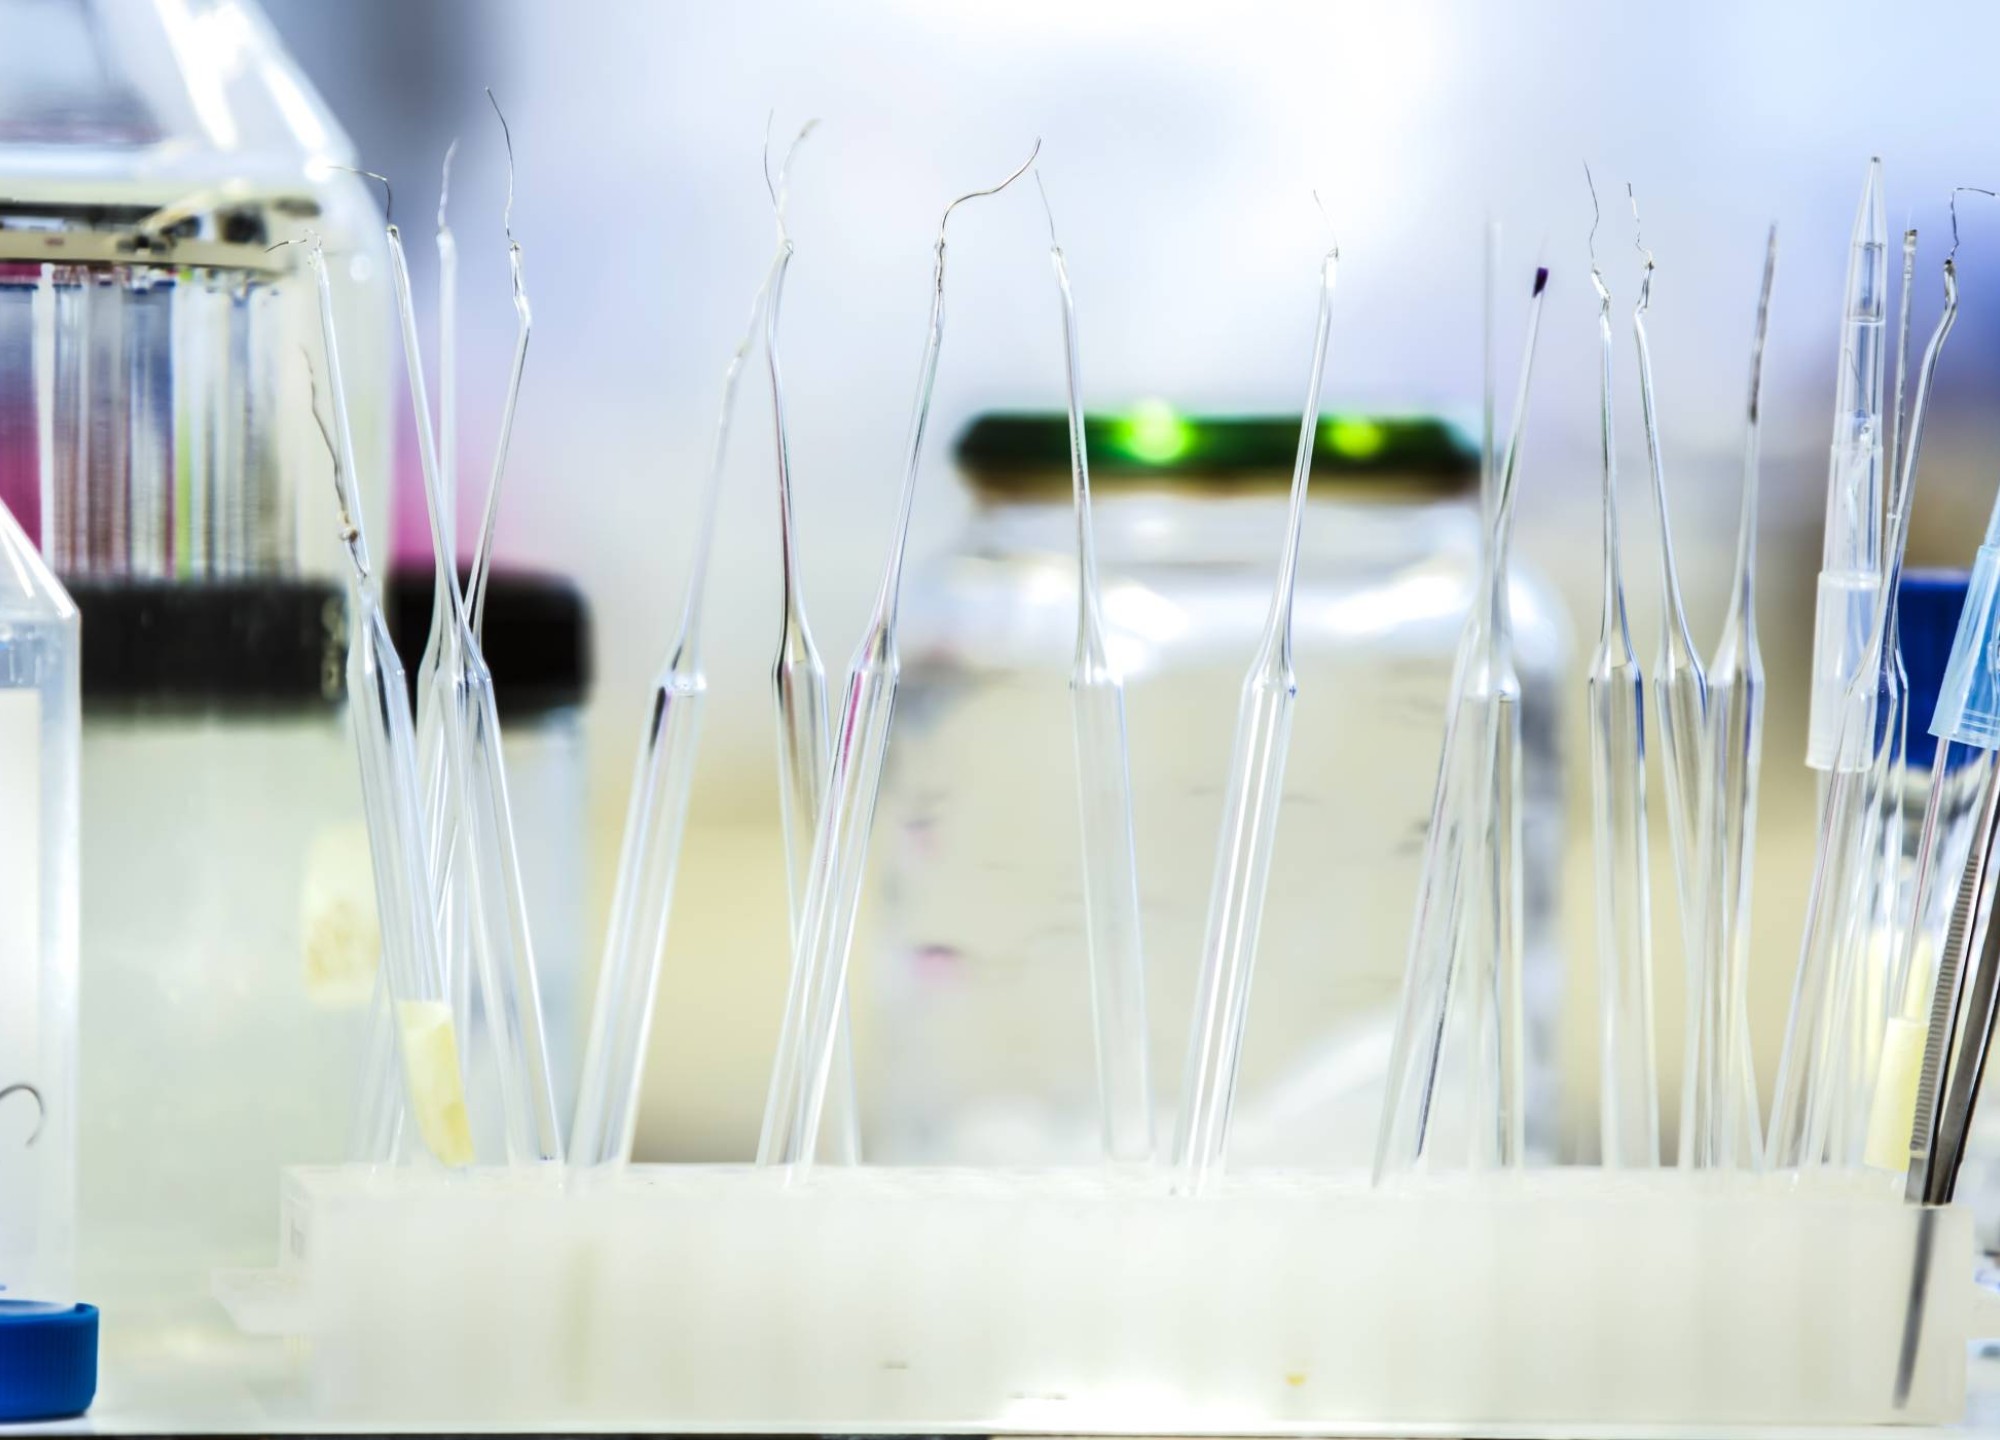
155, 423
979, 994
39, 730
225, 934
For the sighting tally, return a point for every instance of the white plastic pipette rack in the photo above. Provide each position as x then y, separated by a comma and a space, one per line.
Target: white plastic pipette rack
878, 1299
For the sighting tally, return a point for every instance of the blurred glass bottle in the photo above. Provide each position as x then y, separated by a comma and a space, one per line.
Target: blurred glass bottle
38, 917
157, 415
978, 1039
157, 435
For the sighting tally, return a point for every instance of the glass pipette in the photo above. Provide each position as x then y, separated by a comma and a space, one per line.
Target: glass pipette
379, 1126
1629, 1094
1951, 809
1894, 452
1874, 926
1680, 694
1249, 823
1851, 566
1104, 798
1901, 1039
422, 1034
503, 947
1734, 749
798, 688
1811, 1071
1861, 997
621, 1017
1470, 849
524, 324
816, 996
433, 767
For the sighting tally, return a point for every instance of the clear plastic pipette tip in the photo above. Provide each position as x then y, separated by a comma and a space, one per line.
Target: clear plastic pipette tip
1851, 565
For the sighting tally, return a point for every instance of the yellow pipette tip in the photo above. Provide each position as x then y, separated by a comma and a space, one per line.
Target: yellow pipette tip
437, 1094
1895, 1105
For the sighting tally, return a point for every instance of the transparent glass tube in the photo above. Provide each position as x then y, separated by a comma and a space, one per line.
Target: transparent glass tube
818, 993
1249, 824
425, 1035
816, 998
1680, 693
1468, 929
502, 942
1236, 909
423, 1032
607, 1106
1822, 1067
1111, 903
1492, 955
607, 1103
1104, 799
1734, 748
1628, 1090
1424, 1006
798, 688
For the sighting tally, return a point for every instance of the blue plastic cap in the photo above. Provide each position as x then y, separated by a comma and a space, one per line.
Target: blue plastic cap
48, 1360
1968, 703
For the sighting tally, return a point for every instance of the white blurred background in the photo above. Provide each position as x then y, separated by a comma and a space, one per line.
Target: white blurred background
1181, 146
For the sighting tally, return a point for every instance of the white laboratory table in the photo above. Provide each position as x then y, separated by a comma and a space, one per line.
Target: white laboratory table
205, 1378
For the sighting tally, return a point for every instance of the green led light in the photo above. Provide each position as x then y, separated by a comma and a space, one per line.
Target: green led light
1356, 439
1154, 433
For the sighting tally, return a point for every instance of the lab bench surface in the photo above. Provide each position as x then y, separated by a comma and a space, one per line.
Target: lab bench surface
205, 1379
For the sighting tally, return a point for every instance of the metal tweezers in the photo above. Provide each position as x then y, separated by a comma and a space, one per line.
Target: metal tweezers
1938, 1131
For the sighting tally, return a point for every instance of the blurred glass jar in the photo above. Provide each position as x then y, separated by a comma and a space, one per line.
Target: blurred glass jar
226, 927
230, 942
155, 410
977, 1041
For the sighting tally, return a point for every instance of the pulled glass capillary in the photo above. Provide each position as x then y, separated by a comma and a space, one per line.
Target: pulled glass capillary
340, 438
687, 645
1895, 446
388, 191
885, 608
482, 556
778, 189
447, 324
350, 533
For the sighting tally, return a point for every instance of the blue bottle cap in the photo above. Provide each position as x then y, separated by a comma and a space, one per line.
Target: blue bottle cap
48, 1360
1928, 606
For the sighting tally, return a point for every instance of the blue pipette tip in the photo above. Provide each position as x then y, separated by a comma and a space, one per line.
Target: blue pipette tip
1968, 705
1541, 280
